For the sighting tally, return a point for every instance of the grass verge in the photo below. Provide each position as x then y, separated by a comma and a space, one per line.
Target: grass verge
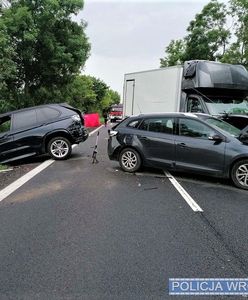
2, 168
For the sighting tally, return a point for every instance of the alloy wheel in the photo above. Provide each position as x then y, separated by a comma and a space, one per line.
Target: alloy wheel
129, 160
242, 175
59, 148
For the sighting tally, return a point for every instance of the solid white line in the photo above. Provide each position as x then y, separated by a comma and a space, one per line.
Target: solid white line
98, 128
191, 202
4, 193
25, 178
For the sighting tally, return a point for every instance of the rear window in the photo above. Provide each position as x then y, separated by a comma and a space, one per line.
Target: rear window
47, 113
24, 119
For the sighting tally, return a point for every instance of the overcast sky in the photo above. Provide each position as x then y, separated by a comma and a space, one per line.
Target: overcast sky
128, 36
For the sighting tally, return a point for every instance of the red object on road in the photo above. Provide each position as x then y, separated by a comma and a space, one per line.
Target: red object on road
91, 120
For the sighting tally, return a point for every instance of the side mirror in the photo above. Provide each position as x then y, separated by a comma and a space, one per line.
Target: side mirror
244, 138
216, 138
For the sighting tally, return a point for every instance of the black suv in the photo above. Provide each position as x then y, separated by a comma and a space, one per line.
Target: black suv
51, 129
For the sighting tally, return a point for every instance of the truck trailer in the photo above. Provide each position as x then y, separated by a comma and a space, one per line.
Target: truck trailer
198, 86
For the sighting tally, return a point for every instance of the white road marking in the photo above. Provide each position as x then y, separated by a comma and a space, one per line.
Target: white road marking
191, 202
22, 180
4, 193
98, 128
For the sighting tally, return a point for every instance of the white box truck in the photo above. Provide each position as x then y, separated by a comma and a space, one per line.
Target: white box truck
197, 86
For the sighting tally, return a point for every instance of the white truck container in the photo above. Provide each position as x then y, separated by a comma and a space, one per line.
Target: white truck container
197, 86
152, 91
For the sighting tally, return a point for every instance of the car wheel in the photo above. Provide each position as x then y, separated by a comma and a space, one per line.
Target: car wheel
130, 160
59, 148
239, 174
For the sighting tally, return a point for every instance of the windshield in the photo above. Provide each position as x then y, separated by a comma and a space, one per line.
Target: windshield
219, 106
224, 126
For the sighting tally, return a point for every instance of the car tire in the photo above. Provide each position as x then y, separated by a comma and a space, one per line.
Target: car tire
130, 160
59, 148
239, 174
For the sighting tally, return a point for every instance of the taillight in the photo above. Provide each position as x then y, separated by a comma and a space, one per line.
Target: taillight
76, 118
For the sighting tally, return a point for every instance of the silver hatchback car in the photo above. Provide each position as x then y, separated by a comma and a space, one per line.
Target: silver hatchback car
184, 142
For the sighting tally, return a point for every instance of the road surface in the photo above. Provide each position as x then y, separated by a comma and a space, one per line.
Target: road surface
84, 231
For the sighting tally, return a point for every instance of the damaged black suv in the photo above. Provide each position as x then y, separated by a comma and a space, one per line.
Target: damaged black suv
51, 128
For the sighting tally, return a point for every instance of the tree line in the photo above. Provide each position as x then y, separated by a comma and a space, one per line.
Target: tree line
43, 51
218, 33
42, 55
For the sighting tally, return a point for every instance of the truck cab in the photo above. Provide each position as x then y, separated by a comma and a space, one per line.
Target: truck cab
217, 89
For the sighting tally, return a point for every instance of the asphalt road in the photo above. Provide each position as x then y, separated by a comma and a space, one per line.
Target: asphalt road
84, 231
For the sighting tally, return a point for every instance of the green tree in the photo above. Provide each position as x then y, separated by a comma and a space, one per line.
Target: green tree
111, 97
7, 70
238, 51
105, 97
207, 37
89, 94
49, 49
100, 88
80, 93
175, 53
115, 97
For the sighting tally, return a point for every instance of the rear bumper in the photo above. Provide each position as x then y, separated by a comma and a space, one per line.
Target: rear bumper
113, 148
81, 137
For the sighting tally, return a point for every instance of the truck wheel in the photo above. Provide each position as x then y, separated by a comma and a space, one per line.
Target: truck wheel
59, 148
130, 160
239, 174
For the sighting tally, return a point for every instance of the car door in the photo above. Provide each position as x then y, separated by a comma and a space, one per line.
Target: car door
6, 138
156, 135
26, 136
195, 148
